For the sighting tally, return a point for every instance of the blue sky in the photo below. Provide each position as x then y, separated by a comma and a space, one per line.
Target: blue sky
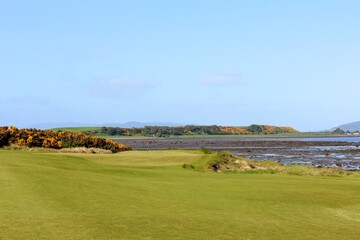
291, 63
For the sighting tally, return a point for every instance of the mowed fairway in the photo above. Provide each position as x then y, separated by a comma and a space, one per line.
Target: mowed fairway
148, 195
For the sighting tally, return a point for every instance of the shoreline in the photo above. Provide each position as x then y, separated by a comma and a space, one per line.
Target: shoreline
318, 152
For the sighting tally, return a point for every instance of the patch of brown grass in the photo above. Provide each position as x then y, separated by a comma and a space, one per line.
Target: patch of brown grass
84, 150
62, 150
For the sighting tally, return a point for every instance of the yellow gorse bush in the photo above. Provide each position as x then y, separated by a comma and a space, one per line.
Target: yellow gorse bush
51, 139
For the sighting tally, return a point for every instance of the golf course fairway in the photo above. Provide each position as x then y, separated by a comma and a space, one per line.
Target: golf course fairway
149, 195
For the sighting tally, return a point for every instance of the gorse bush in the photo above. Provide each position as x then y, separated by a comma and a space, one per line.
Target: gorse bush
50, 139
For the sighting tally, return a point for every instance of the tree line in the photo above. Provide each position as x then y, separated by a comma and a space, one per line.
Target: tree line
163, 131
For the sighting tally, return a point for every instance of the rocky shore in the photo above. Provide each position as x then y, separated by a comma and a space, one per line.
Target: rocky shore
319, 152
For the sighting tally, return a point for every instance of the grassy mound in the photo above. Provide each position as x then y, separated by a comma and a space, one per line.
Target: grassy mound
227, 162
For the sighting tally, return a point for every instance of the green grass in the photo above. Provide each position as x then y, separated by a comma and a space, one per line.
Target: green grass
148, 195
84, 129
77, 129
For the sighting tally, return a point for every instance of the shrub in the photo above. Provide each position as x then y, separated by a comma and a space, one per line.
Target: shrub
57, 140
206, 150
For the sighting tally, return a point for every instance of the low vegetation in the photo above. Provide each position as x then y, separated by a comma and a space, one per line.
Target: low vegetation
227, 162
148, 195
190, 130
61, 150
51, 139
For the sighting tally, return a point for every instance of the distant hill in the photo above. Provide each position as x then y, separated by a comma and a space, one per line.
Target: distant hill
351, 127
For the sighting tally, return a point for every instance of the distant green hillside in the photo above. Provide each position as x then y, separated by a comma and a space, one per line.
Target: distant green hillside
77, 129
188, 130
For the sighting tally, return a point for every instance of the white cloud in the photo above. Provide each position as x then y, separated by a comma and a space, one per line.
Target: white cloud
119, 88
222, 80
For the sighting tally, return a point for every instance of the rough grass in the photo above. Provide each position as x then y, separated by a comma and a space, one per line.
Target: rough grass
148, 195
227, 162
62, 150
